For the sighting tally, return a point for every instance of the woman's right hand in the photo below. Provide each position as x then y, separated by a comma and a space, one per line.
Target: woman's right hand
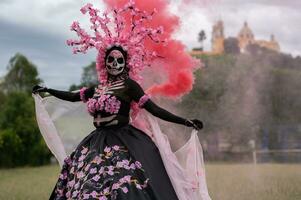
37, 89
195, 123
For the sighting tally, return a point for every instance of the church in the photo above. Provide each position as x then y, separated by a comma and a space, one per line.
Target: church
244, 37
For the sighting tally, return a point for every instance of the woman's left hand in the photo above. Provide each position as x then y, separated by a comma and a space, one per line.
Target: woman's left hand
36, 89
195, 123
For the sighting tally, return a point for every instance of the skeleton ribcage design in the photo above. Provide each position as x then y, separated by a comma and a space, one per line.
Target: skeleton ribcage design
109, 89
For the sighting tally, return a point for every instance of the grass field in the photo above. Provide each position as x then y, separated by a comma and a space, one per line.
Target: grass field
225, 182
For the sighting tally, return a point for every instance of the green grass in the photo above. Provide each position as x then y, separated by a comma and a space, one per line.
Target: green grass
225, 182
248, 182
28, 183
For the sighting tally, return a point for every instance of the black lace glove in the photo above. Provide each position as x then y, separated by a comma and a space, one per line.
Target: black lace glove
195, 123
37, 89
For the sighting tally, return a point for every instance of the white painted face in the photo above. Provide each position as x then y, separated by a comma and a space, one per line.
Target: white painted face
115, 63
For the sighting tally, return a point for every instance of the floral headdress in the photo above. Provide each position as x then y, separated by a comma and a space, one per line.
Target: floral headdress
130, 37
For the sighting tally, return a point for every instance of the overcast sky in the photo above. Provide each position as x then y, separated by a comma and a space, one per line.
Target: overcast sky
38, 29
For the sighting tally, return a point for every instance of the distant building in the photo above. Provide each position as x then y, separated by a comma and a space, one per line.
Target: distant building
218, 37
244, 37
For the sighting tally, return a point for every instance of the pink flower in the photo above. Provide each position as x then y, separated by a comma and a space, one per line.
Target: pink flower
133, 166
125, 190
106, 190
138, 186
85, 150
80, 165
101, 170
86, 196
82, 94
138, 164
101, 103
60, 192
97, 160
96, 178
71, 183
125, 162
87, 167
115, 186
103, 198
93, 170
119, 164
145, 183
81, 158
75, 25
127, 178
116, 147
68, 160
76, 186
112, 105
74, 194
110, 172
94, 194
107, 149
80, 175
68, 194
63, 175
85, 9
91, 103
143, 100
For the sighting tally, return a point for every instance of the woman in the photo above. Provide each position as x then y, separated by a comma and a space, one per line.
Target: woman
110, 162
116, 160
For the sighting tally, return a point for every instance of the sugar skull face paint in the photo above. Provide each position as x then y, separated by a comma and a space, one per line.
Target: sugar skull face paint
115, 62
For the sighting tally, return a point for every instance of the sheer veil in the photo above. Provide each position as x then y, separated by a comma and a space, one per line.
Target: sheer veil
64, 124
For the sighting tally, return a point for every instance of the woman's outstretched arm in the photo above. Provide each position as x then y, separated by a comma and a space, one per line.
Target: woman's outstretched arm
137, 94
67, 96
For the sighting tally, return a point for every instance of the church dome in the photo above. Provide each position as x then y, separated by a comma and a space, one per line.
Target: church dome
246, 32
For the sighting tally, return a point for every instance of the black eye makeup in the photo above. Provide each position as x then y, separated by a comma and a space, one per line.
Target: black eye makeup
120, 60
110, 59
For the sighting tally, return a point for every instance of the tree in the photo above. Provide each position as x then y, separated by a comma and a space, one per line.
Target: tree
22, 75
202, 37
20, 139
240, 97
89, 77
231, 46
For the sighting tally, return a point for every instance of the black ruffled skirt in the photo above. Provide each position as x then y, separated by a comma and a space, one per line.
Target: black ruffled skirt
111, 163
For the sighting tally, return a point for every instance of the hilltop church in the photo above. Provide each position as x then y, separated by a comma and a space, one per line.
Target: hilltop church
244, 37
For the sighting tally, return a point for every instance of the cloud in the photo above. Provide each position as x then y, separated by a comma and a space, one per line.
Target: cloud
58, 67
39, 29
264, 17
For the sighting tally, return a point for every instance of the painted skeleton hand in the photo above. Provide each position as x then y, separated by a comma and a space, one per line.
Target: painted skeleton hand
195, 123
37, 89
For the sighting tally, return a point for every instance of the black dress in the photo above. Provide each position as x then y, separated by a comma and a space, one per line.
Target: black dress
116, 160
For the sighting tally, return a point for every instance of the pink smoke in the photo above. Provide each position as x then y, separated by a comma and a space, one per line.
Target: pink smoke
199, 3
176, 62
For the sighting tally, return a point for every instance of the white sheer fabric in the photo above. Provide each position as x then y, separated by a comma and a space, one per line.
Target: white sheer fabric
64, 124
